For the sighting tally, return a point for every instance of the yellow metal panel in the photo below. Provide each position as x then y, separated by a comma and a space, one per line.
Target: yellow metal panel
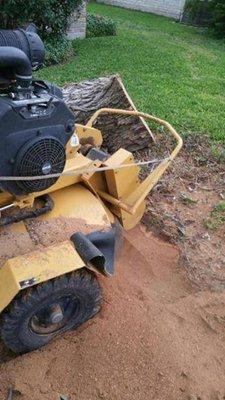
98, 181
94, 183
130, 221
9, 287
73, 166
121, 182
76, 209
18, 227
74, 202
90, 134
78, 202
127, 220
36, 267
5, 198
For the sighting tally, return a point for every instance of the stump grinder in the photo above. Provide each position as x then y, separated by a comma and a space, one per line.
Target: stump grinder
63, 201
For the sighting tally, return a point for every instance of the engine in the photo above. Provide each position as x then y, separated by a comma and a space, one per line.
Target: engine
35, 123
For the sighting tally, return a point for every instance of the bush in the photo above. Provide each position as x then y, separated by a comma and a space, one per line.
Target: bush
100, 26
209, 13
58, 50
197, 12
50, 16
217, 24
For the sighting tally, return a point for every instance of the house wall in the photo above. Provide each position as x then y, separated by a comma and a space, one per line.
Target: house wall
169, 8
77, 26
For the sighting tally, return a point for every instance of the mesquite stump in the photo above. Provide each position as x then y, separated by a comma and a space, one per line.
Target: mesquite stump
131, 133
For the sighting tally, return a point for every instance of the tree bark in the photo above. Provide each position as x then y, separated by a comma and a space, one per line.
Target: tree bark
131, 133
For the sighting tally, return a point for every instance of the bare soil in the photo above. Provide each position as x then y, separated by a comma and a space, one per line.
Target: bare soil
182, 209
161, 331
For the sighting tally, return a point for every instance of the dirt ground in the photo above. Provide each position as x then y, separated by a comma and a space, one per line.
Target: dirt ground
161, 331
187, 208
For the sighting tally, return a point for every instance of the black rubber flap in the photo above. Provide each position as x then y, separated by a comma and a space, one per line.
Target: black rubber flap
96, 248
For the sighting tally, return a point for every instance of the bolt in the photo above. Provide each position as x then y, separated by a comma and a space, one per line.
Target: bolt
56, 315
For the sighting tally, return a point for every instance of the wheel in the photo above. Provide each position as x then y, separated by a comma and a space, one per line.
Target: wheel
43, 312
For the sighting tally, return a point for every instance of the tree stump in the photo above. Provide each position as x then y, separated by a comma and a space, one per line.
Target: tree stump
131, 133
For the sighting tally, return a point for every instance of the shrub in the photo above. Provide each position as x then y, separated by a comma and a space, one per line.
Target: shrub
210, 13
217, 23
197, 12
100, 26
58, 50
50, 16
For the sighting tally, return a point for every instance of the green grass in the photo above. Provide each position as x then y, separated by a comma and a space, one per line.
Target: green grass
170, 70
217, 217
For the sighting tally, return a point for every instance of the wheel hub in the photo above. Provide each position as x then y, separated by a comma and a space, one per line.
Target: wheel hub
54, 317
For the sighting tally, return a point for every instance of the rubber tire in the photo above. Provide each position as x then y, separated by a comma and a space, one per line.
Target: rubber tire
15, 329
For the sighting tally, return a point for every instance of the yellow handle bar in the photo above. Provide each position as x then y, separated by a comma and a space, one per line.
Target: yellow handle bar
136, 198
145, 116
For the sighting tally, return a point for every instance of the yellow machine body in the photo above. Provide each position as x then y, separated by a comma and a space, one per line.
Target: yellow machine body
37, 257
90, 196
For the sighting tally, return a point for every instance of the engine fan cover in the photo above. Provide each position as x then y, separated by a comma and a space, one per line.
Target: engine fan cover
39, 157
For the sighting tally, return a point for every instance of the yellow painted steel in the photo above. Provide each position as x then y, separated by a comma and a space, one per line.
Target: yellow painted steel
36, 267
73, 166
133, 203
74, 203
5, 198
120, 183
90, 134
77, 202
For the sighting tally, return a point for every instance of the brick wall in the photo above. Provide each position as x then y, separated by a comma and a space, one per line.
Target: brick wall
77, 26
170, 8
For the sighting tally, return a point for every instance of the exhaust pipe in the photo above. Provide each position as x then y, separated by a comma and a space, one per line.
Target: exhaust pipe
20, 52
17, 62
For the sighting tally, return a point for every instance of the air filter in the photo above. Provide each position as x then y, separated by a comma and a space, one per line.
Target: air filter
41, 157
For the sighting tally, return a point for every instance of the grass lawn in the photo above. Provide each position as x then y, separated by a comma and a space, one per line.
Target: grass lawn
170, 70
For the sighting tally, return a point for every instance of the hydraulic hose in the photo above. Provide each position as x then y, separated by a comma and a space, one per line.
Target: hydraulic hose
25, 214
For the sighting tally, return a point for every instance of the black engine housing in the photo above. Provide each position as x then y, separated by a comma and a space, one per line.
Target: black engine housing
35, 125
33, 135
